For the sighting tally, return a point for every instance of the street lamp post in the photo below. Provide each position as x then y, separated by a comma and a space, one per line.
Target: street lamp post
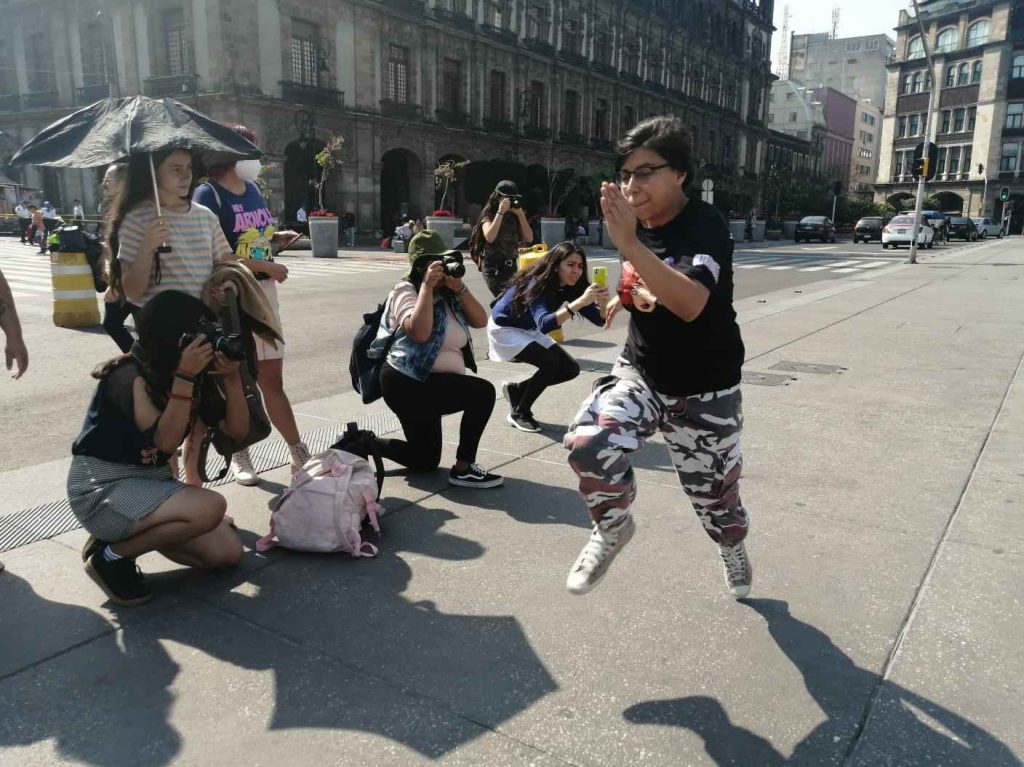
919, 203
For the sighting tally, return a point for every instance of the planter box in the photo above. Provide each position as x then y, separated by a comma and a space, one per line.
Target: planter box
597, 236
552, 231
788, 229
323, 234
446, 226
738, 229
773, 234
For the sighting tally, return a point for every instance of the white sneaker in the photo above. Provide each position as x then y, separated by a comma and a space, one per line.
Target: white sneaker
300, 454
242, 470
597, 555
738, 572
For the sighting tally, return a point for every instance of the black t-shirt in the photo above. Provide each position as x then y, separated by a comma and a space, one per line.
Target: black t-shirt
506, 245
684, 358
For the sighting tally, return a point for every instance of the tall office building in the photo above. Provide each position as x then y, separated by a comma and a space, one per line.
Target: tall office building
852, 65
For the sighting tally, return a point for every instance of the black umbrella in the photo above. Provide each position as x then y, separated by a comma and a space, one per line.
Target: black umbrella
114, 130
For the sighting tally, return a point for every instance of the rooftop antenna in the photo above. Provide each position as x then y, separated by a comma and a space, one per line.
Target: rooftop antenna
782, 60
835, 22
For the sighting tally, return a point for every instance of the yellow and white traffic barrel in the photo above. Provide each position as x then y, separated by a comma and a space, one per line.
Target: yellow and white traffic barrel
74, 293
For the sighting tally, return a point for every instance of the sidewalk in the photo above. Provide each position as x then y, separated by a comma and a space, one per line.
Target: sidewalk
884, 434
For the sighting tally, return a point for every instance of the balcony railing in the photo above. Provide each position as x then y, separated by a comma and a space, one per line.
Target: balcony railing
10, 102
571, 57
455, 19
400, 110
498, 126
39, 100
499, 33
541, 47
454, 118
604, 68
572, 138
176, 85
89, 94
311, 95
536, 132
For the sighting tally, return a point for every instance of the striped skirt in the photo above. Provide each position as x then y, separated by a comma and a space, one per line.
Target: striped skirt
108, 498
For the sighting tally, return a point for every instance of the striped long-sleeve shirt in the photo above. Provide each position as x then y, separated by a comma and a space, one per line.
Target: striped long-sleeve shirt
197, 243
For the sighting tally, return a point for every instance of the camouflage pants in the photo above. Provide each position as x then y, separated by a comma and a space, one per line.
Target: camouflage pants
703, 434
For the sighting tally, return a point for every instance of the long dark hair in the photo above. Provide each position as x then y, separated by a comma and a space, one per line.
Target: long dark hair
161, 323
137, 189
541, 278
490, 210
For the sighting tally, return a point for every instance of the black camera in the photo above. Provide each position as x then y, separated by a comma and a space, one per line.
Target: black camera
453, 265
515, 200
228, 344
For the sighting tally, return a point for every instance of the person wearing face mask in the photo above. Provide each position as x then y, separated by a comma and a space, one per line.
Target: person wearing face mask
247, 223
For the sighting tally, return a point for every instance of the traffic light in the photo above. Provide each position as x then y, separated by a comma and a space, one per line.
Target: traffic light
925, 161
1004, 194
920, 168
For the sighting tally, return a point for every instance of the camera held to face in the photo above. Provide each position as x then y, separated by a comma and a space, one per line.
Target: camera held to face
515, 200
453, 266
228, 344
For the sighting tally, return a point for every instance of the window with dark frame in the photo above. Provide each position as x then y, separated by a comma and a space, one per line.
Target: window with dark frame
178, 41
398, 74
498, 104
1008, 157
958, 120
601, 120
451, 85
304, 52
572, 112
535, 116
1017, 70
98, 67
1014, 115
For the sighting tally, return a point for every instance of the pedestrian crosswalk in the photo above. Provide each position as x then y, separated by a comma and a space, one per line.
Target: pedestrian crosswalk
28, 273
823, 262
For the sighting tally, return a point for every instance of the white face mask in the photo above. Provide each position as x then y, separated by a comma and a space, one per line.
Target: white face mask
248, 169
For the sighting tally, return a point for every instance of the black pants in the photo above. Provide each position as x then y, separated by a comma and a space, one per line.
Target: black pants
114, 315
554, 366
497, 274
419, 405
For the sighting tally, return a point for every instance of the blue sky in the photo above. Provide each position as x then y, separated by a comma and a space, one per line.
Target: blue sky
863, 17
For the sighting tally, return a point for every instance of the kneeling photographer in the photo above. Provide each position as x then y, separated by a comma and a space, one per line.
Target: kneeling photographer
494, 244
428, 318
147, 402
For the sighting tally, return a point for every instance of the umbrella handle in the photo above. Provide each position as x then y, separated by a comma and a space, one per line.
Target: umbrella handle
164, 248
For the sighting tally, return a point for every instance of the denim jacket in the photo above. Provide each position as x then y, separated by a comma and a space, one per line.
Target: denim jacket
417, 359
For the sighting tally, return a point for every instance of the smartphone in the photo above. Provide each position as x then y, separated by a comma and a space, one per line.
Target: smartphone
601, 276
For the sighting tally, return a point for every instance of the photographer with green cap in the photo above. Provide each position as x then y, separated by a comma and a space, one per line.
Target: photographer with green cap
424, 378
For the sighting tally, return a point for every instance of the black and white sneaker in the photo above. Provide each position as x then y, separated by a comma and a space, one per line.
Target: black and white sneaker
474, 476
508, 391
91, 544
523, 422
121, 580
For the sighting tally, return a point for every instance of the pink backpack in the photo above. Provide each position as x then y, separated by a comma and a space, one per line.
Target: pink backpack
325, 506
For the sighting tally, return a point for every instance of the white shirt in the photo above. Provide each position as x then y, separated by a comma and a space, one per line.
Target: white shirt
300, 215
79, 212
49, 213
22, 212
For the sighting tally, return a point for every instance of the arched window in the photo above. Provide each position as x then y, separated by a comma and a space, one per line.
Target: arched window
977, 33
915, 49
950, 76
946, 40
976, 72
963, 76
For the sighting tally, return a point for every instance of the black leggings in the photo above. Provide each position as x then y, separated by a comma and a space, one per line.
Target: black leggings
554, 366
114, 315
419, 405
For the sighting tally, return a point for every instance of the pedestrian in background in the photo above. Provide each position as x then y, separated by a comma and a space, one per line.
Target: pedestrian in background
680, 370
50, 224
303, 220
116, 308
247, 224
24, 220
501, 228
350, 229
37, 229
78, 213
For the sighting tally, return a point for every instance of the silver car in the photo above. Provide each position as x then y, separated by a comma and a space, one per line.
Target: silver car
986, 227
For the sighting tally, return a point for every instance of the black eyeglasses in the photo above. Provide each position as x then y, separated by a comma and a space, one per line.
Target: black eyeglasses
641, 174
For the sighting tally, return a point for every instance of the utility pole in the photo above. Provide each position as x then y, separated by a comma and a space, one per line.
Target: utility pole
919, 204
984, 193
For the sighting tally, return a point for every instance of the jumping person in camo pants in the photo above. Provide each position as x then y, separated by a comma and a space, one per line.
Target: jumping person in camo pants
680, 370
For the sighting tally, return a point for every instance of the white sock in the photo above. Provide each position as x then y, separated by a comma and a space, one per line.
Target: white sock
110, 555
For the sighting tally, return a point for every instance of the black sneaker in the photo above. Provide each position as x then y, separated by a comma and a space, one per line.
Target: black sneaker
508, 390
91, 544
523, 422
121, 580
474, 476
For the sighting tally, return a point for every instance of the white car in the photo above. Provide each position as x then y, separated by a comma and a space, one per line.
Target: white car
986, 227
897, 232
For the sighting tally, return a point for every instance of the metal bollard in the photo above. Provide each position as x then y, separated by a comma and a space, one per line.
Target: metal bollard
74, 294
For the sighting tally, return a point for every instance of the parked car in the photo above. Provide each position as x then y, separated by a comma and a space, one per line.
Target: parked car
987, 227
897, 232
868, 228
961, 228
815, 228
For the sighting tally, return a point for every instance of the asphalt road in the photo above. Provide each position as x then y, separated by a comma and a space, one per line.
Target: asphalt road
321, 305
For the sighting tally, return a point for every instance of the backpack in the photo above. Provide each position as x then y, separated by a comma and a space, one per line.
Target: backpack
324, 509
364, 364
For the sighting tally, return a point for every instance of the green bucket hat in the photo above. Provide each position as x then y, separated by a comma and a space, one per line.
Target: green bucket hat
430, 243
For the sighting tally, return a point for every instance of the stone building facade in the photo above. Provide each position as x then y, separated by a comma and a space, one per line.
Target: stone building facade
529, 86
976, 92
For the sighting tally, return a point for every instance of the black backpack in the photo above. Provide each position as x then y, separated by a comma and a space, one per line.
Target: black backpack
365, 370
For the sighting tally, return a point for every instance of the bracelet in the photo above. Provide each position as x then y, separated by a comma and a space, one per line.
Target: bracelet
181, 397
569, 309
184, 377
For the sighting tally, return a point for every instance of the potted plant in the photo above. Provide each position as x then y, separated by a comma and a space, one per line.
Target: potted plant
443, 219
323, 224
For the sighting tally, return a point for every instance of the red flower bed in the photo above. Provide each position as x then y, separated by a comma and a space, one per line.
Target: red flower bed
322, 214
442, 214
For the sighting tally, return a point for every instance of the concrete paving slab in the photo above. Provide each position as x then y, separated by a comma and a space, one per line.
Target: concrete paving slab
199, 686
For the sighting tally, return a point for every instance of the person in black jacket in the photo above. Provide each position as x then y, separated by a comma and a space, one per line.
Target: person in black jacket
680, 370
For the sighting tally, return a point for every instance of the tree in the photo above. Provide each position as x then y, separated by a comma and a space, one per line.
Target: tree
444, 177
327, 159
